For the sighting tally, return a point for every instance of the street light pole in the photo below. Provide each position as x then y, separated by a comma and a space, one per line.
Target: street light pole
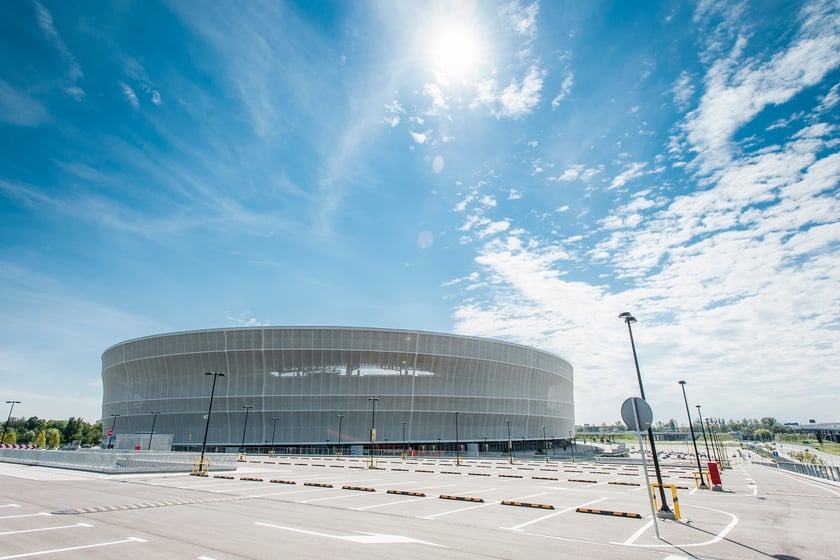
572, 444
510, 444
216, 375
715, 445
338, 450
154, 419
664, 509
693, 440
545, 445
457, 441
273, 430
9, 419
247, 408
405, 451
373, 431
702, 427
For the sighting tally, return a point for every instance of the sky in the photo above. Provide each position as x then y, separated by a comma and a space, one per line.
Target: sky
525, 171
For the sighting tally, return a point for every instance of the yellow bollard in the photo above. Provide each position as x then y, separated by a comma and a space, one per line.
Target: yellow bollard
673, 495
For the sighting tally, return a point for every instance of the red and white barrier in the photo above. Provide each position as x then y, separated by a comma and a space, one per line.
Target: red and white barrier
18, 446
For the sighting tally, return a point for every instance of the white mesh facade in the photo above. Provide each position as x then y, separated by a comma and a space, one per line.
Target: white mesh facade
313, 378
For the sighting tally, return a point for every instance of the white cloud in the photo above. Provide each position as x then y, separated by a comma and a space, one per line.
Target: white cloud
420, 137
129, 94
633, 171
516, 100
156, 97
45, 21
565, 89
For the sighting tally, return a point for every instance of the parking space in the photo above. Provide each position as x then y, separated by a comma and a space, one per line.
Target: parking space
483, 508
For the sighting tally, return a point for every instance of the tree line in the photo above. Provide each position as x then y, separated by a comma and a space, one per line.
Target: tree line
763, 429
52, 433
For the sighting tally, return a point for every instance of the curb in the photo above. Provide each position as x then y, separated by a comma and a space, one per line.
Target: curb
460, 498
318, 484
407, 493
608, 512
527, 504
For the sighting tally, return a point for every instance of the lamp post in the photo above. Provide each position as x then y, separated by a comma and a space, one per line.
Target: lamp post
545, 445
572, 444
216, 375
273, 430
457, 441
338, 447
702, 427
405, 451
510, 444
715, 445
693, 440
9, 419
664, 510
112, 437
372, 431
247, 408
154, 414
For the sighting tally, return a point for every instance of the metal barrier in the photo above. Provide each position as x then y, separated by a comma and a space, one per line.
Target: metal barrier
112, 461
818, 471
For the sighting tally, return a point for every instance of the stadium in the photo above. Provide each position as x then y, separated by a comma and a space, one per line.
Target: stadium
304, 388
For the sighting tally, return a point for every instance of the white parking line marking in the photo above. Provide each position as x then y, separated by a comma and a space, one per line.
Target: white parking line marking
362, 538
26, 515
815, 485
9, 505
46, 529
419, 499
457, 510
716, 539
544, 517
54, 550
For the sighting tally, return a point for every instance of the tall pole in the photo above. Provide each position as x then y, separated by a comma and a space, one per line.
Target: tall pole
373, 431
216, 375
247, 408
457, 441
338, 451
9, 419
405, 450
712, 436
693, 440
545, 445
510, 444
702, 427
663, 509
572, 444
273, 430
154, 419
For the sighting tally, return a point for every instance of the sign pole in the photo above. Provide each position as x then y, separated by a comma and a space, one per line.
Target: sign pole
644, 469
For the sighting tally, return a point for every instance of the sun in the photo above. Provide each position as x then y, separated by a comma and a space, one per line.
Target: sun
455, 50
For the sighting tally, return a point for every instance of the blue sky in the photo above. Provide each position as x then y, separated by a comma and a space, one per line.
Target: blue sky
518, 170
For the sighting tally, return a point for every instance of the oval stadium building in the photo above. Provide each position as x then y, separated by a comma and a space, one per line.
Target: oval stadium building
310, 387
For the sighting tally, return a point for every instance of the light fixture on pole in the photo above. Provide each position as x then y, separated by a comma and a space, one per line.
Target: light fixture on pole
247, 408
693, 439
9, 419
154, 414
664, 510
372, 431
216, 375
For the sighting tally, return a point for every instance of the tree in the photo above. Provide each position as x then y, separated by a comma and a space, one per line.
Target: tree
53, 437
11, 436
763, 434
41, 439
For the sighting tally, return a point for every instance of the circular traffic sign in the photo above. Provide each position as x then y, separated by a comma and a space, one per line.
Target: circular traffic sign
110, 433
637, 414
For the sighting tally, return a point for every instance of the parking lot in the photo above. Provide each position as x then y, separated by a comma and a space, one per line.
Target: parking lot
322, 507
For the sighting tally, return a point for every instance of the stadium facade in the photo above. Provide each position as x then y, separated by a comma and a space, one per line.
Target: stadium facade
315, 386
